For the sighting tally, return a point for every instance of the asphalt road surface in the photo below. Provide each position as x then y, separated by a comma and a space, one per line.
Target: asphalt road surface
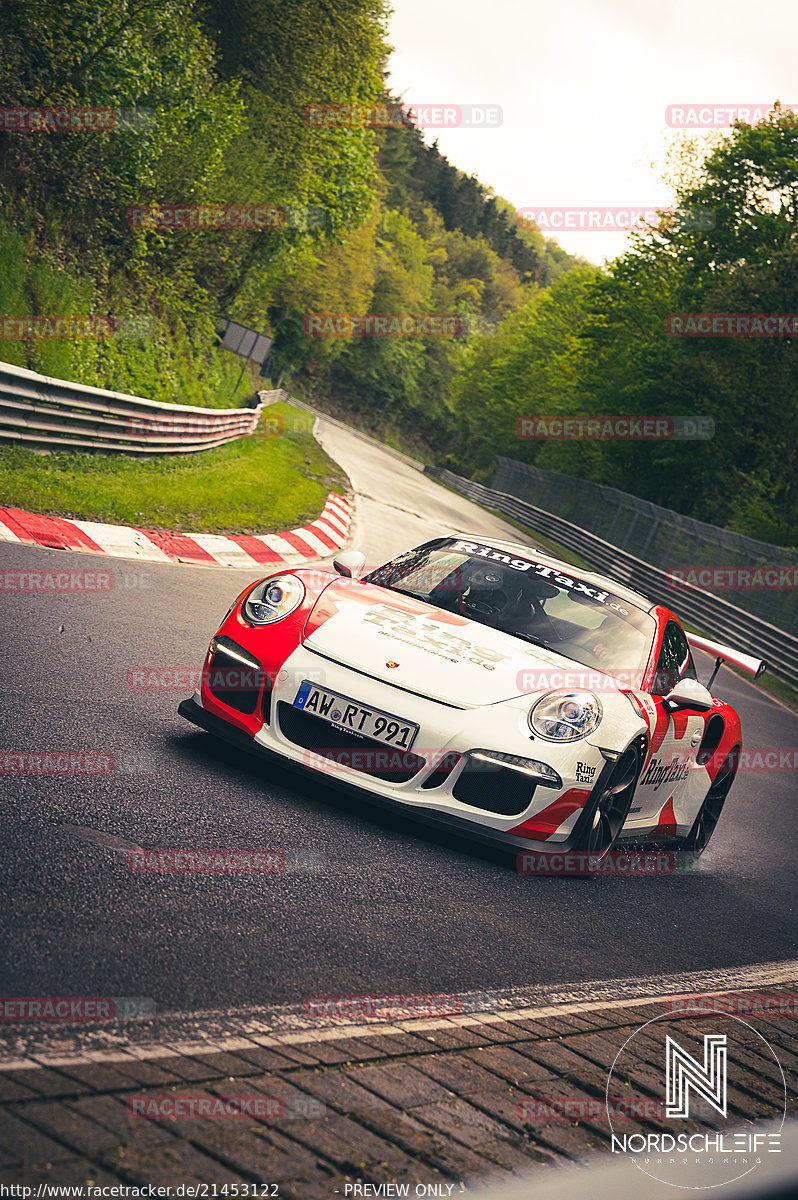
369, 902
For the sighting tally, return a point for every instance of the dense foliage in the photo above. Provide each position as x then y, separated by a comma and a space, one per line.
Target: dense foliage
211, 99
597, 343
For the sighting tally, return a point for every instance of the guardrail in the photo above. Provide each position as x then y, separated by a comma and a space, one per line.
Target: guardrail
36, 410
660, 536
714, 615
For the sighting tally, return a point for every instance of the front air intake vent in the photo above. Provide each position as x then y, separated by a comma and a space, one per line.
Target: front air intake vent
493, 788
234, 676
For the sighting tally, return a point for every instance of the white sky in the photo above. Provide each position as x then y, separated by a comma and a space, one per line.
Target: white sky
584, 87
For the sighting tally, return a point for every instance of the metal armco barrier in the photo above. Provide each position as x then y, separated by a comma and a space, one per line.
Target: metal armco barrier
658, 536
713, 615
38, 411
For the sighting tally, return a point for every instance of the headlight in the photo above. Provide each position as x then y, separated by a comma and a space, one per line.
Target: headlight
565, 716
273, 599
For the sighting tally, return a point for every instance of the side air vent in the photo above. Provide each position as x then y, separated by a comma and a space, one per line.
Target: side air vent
712, 735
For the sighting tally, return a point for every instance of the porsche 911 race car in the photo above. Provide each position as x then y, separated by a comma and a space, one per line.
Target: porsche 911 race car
484, 687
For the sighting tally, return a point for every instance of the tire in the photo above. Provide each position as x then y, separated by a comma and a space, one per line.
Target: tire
614, 802
698, 838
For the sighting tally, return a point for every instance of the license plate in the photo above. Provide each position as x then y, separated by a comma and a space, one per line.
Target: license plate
356, 718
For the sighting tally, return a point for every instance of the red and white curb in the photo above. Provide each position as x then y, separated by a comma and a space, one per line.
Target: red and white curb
326, 534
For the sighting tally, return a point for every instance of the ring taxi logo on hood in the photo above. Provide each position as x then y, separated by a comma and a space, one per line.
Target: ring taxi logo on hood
431, 637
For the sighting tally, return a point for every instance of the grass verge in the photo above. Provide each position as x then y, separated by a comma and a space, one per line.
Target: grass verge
254, 485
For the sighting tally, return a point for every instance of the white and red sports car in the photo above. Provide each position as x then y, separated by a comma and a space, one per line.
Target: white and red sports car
484, 687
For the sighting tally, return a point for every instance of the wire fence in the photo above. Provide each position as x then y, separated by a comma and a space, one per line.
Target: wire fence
665, 539
712, 613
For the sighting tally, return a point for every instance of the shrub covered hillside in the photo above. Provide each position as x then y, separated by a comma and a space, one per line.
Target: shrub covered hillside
209, 109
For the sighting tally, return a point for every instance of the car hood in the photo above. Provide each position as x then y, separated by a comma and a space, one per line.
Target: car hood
420, 648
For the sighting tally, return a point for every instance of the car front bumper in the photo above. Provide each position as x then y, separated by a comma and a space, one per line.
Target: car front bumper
480, 827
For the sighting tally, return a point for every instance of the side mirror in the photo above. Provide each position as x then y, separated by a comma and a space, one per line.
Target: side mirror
350, 564
689, 693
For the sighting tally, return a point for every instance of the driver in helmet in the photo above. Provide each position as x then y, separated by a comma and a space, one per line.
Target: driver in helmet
508, 600
485, 596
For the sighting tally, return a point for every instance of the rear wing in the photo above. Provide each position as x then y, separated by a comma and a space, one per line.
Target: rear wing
747, 662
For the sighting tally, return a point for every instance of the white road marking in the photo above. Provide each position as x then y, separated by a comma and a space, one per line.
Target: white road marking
314, 542
121, 541
332, 530
272, 1027
287, 552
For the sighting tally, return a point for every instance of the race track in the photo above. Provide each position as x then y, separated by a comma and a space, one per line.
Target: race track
369, 903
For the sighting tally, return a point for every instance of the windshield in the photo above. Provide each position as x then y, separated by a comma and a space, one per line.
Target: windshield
528, 599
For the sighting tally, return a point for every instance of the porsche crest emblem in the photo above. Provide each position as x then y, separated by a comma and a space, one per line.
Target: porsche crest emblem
391, 663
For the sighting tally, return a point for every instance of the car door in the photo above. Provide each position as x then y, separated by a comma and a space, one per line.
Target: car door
660, 796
